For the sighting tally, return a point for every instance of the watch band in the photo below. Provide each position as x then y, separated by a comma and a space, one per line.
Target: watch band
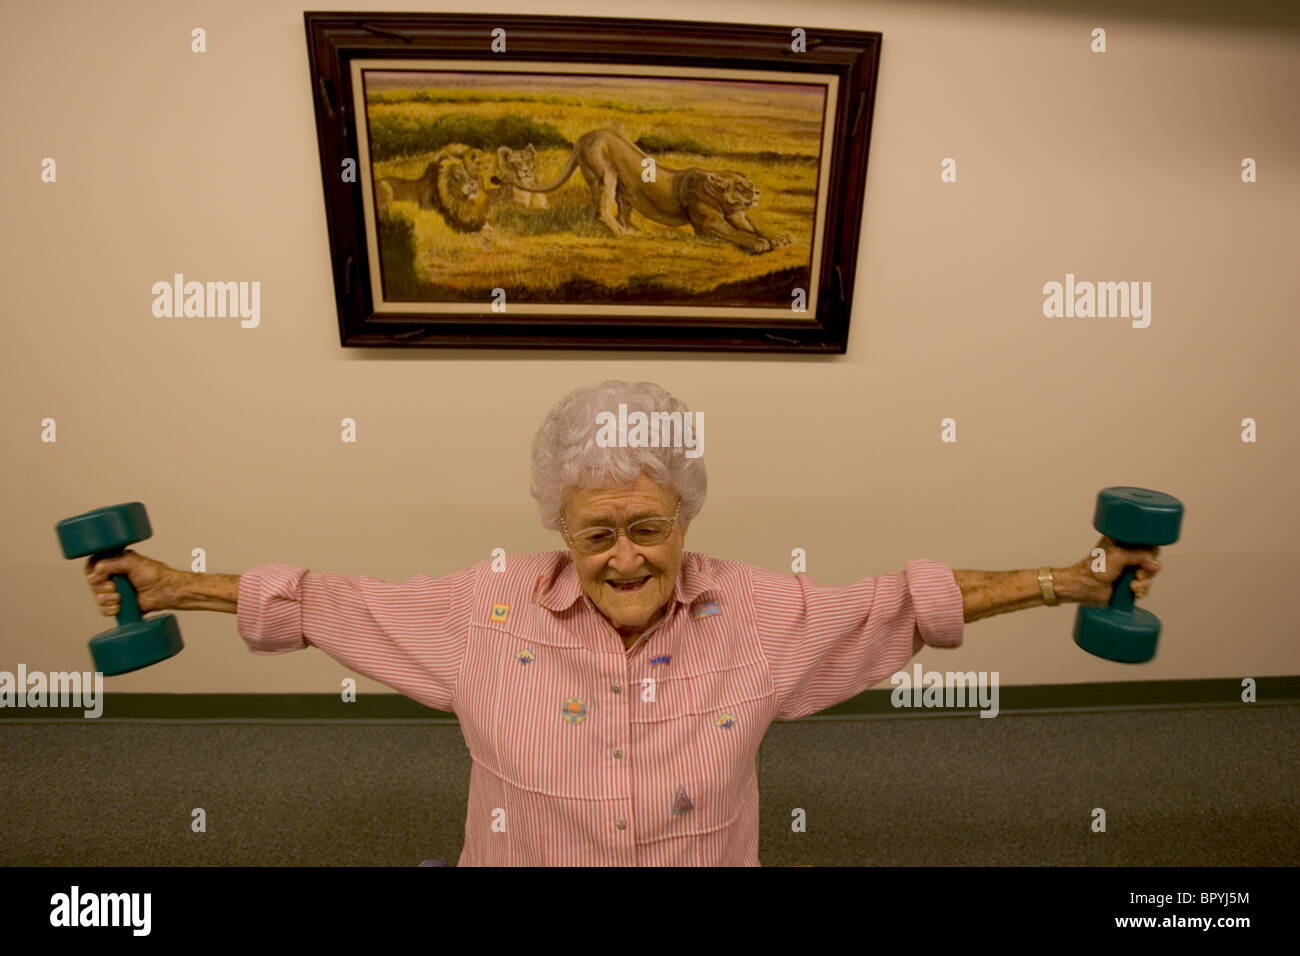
1047, 584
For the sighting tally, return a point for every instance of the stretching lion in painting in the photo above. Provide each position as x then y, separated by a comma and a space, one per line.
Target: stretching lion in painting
714, 204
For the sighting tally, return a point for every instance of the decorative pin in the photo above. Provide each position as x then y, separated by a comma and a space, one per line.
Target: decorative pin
725, 721
661, 659
525, 656
706, 609
683, 803
500, 613
574, 710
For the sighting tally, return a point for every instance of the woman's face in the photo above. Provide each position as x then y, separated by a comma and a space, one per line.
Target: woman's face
655, 566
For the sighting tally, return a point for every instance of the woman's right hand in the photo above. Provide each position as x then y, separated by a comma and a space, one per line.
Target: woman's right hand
157, 587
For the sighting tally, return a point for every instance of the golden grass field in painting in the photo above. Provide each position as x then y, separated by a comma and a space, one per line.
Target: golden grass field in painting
770, 134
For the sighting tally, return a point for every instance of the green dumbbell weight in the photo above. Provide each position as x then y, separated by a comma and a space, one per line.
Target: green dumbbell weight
136, 642
1135, 519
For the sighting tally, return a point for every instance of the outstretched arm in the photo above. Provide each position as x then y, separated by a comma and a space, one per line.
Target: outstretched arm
985, 593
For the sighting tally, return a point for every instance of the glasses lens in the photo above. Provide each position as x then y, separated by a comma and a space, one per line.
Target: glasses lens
649, 530
595, 539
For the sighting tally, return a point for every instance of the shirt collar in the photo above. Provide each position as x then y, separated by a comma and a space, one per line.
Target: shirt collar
562, 589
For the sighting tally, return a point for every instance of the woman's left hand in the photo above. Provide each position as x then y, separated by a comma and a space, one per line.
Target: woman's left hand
1096, 586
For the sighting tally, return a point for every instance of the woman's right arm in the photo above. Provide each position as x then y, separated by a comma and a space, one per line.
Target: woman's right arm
411, 636
208, 592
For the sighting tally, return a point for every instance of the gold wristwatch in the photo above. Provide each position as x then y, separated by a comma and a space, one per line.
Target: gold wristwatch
1048, 586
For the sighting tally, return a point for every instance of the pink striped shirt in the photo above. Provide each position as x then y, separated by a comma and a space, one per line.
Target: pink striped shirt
589, 754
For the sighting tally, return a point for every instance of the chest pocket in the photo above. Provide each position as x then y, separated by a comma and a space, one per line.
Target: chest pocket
709, 753
734, 708
545, 719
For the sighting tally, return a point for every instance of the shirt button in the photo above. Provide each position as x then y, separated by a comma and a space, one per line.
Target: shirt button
618, 752
616, 689
621, 823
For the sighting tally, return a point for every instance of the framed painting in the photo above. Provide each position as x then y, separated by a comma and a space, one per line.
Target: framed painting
558, 182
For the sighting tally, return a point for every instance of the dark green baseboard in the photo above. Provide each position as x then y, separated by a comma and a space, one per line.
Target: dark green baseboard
312, 708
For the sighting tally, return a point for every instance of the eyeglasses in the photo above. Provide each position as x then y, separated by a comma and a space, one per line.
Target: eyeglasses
647, 531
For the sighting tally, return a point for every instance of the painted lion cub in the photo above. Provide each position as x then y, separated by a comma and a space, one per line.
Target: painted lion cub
522, 165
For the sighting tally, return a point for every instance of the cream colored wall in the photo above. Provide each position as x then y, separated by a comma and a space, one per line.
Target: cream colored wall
1116, 167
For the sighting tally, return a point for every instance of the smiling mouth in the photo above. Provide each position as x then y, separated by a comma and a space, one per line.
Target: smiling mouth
634, 584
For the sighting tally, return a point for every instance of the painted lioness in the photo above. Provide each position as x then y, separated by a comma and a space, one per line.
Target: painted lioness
713, 203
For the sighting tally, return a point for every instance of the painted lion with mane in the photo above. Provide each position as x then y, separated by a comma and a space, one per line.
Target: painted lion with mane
452, 184
713, 203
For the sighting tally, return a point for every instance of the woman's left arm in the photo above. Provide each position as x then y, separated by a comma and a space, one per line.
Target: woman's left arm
1090, 581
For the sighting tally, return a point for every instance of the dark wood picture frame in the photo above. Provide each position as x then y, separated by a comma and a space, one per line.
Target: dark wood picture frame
848, 59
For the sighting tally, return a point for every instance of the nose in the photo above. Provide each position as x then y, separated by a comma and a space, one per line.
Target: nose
625, 558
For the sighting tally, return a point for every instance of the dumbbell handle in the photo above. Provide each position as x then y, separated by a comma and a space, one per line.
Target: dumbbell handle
129, 612
1121, 598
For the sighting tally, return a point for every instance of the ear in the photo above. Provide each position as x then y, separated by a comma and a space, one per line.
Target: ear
530, 150
503, 154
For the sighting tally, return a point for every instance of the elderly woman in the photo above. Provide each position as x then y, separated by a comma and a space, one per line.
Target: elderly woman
613, 695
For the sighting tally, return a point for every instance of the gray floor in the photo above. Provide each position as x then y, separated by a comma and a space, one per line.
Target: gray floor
1179, 787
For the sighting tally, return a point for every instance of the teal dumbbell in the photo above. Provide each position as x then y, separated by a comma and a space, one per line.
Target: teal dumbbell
136, 642
1135, 519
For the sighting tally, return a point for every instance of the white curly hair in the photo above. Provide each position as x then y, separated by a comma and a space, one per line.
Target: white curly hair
566, 456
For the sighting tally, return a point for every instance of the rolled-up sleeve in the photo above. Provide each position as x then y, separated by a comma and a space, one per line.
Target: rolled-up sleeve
410, 636
827, 644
